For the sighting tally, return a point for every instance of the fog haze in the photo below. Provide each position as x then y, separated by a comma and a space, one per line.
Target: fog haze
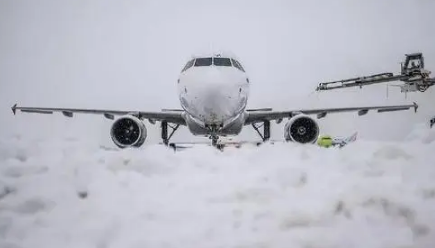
60, 184
127, 55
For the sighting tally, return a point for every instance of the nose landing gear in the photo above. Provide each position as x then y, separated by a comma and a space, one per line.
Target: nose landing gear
214, 130
214, 140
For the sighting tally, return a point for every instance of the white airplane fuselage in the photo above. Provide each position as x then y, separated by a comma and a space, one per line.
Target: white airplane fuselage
214, 99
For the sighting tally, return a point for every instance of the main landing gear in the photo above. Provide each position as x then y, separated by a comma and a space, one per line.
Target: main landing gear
265, 136
263, 130
165, 136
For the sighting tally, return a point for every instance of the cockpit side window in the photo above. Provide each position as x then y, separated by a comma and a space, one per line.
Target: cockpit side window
188, 65
222, 62
237, 65
203, 62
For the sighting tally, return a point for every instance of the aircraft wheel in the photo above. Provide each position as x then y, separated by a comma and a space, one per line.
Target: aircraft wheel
173, 146
220, 147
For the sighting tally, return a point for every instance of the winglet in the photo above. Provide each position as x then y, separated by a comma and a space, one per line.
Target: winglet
415, 107
14, 108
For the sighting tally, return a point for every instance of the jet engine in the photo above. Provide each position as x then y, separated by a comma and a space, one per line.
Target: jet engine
302, 129
128, 131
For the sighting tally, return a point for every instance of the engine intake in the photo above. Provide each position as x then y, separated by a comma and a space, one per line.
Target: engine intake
128, 131
302, 129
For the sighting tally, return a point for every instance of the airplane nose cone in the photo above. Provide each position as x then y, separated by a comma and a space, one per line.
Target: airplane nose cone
217, 97
215, 102
216, 91
214, 84
213, 95
213, 76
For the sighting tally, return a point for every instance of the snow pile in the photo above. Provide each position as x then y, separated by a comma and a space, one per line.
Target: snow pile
75, 194
422, 133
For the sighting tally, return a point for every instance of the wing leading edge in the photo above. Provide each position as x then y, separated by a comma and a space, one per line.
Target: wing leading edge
177, 116
260, 116
169, 116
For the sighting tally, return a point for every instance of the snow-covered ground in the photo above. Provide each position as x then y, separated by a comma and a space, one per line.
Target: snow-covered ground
59, 188
71, 193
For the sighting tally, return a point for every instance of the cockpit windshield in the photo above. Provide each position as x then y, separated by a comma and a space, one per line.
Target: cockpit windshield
216, 61
222, 62
203, 62
237, 65
188, 64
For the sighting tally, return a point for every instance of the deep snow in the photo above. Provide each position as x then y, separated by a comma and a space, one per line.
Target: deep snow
59, 188
71, 193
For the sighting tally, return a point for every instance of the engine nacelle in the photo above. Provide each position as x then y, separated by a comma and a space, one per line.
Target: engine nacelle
302, 129
128, 131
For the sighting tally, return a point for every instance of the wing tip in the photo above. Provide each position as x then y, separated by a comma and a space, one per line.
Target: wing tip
14, 109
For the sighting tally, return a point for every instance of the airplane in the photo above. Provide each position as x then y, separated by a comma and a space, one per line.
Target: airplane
213, 91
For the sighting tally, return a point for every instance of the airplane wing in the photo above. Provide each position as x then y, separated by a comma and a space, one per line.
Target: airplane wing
260, 116
169, 116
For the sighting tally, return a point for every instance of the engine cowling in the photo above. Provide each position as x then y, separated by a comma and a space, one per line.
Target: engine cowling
302, 129
128, 131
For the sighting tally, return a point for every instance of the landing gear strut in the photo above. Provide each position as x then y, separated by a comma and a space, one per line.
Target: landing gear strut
265, 136
165, 136
214, 140
213, 135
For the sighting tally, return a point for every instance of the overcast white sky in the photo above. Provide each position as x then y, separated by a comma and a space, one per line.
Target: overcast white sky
127, 55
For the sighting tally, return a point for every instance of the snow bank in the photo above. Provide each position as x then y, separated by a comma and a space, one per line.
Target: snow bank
422, 133
74, 194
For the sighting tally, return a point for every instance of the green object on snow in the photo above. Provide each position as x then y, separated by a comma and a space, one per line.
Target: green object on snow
324, 141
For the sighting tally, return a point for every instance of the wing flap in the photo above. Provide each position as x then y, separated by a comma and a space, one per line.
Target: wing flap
37, 111
259, 109
392, 110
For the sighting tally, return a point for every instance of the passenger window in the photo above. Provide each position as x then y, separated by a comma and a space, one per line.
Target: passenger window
237, 65
188, 65
203, 62
222, 62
